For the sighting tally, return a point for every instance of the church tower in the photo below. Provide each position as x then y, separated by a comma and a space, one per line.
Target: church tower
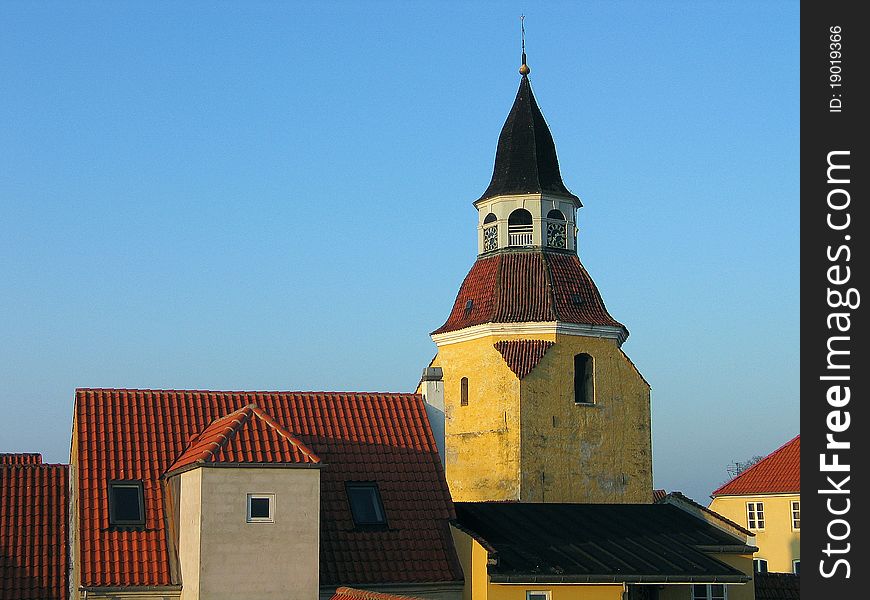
540, 404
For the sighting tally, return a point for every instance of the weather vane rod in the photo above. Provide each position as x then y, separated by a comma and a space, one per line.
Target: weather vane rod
524, 68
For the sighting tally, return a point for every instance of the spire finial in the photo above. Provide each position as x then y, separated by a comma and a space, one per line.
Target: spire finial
524, 68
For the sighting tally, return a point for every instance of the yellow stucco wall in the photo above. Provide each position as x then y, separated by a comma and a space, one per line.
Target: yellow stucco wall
777, 543
512, 432
558, 592
585, 453
482, 440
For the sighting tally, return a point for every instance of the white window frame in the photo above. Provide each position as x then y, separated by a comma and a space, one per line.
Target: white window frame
759, 560
795, 562
793, 511
755, 516
545, 593
709, 590
270, 518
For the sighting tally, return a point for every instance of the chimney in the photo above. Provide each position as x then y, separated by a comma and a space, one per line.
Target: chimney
432, 388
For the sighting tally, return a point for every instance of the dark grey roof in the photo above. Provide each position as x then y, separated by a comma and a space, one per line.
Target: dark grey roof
525, 160
552, 543
777, 586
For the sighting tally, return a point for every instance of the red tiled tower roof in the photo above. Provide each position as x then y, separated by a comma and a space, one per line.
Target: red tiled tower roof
385, 438
522, 355
245, 436
33, 530
528, 286
778, 473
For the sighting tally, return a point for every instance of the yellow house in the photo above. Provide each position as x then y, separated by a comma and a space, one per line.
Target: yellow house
553, 551
766, 499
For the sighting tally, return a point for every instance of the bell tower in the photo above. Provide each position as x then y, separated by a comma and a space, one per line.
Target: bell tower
540, 403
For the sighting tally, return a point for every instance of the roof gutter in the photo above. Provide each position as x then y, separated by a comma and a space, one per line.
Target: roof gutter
535, 578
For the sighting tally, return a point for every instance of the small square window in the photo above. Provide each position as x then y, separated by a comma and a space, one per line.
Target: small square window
261, 508
537, 595
759, 565
365, 504
126, 503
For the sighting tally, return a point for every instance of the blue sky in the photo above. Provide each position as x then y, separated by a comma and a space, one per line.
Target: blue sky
270, 195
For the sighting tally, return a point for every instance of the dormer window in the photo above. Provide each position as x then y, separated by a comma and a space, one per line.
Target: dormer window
126, 504
520, 228
365, 504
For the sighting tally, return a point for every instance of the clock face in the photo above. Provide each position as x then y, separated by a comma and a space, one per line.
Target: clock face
556, 235
490, 238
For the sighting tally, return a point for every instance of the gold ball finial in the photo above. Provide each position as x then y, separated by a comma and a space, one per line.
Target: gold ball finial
524, 69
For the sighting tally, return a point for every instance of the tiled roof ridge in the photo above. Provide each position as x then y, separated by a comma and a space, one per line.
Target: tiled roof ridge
20, 458
226, 428
760, 464
234, 422
368, 595
244, 392
703, 508
296, 442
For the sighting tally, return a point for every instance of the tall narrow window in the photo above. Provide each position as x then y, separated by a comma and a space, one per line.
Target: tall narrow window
755, 515
126, 503
463, 391
584, 379
796, 515
796, 566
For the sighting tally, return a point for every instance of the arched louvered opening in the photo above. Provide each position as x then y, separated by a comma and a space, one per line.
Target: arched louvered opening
520, 228
556, 214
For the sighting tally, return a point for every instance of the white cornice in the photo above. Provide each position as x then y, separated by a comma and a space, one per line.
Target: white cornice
531, 329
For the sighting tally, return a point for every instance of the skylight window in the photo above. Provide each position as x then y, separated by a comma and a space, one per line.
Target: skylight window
126, 503
365, 504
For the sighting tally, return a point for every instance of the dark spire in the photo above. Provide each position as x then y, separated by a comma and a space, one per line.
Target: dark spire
525, 160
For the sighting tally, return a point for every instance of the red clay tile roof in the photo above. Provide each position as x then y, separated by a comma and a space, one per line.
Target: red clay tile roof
33, 531
347, 593
385, 438
778, 473
659, 495
20, 458
247, 435
522, 355
529, 286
